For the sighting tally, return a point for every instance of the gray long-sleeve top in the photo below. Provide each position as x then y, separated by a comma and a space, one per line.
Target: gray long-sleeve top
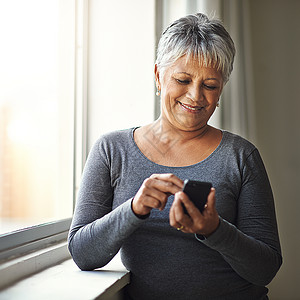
235, 262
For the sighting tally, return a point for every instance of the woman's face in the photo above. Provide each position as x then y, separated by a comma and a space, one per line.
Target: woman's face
189, 93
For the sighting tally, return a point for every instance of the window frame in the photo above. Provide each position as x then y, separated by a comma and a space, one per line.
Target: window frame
27, 241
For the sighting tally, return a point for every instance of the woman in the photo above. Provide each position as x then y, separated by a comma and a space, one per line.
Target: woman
131, 192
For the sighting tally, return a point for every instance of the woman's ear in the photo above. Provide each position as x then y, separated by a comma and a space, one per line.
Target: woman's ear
157, 79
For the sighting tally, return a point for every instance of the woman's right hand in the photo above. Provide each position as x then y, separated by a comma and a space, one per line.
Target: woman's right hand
154, 193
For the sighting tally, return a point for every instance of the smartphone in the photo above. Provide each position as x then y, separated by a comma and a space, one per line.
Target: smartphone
197, 191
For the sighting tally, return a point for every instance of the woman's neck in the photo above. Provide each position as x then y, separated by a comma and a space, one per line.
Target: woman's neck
167, 133
169, 146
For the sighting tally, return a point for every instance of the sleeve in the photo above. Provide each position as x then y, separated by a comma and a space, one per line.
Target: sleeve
97, 232
251, 246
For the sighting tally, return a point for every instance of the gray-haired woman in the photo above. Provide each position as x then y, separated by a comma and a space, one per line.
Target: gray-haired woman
131, 192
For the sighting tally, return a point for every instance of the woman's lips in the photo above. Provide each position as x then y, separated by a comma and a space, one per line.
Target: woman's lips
190, 108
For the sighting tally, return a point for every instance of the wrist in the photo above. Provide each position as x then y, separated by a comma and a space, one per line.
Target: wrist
140, 216
205, 235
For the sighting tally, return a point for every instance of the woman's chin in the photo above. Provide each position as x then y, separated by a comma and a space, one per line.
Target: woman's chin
191, 126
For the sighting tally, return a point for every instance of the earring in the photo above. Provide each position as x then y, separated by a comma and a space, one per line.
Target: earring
157, 93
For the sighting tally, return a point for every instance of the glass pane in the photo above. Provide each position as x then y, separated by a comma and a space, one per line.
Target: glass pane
36, 112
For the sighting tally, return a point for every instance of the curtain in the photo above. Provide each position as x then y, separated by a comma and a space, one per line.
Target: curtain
237, 101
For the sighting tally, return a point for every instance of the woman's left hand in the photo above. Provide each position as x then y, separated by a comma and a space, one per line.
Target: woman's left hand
204, 223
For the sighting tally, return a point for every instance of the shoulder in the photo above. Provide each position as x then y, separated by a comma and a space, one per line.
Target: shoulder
115, 138
116, 135
248, 157
114, 144
237, 150
236, 143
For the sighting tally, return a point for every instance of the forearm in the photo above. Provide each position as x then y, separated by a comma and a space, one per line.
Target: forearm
93, 245
253, 260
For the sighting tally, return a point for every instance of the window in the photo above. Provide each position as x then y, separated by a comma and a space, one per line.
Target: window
44, 107
36, 112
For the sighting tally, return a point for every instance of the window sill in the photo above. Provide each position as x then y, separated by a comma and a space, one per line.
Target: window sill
66, 281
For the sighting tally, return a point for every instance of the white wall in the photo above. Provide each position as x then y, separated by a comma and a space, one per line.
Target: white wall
121, 65
276, 49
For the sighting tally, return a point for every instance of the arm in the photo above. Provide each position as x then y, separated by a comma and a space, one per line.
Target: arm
251, 246
94, 244
252, 259
97, 232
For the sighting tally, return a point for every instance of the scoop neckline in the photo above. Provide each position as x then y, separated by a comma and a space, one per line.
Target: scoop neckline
224, 137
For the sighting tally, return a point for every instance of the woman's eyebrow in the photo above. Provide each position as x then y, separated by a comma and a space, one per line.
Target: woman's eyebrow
212, 78
183, 73
186, 73
209, 78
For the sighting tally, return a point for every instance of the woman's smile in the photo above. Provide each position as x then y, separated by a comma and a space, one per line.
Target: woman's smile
190, 108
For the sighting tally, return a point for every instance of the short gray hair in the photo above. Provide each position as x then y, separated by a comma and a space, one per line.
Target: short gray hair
197, 36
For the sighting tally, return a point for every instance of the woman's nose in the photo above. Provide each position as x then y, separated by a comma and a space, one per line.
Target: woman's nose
195, 93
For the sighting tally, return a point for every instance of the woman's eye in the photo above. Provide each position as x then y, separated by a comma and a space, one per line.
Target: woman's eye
210, 87
183, 81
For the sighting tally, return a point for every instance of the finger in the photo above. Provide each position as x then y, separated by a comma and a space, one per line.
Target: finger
159, 190
142, 205
172, 215
165, 186
172, 219
147, 199
179, 214
169, 177
155, 190
153, 202
178, 208
211, 200
152, 197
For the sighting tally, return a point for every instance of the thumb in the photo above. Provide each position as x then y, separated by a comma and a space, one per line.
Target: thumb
211, 200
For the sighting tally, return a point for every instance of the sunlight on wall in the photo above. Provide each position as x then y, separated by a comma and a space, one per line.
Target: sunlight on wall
121, 65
